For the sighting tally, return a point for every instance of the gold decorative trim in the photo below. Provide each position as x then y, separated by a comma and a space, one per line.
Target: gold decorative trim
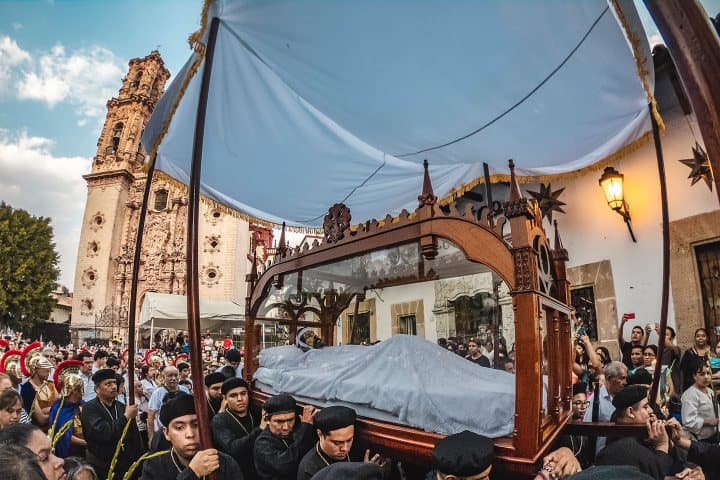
162, 176
639, 63
597, 166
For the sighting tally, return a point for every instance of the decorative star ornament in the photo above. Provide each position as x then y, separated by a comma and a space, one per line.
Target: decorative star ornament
699, 166
548, 200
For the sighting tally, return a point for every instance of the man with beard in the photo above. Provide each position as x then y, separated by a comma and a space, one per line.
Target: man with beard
213, 393
279, 448
335, 427
172, 377
235, 430
185, 460
103, 420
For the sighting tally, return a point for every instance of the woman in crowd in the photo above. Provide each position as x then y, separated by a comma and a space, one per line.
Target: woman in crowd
700, 350
10, 407
147, 379
78, 469
31, 437
19, 463
699, 405
604, 355
650, 357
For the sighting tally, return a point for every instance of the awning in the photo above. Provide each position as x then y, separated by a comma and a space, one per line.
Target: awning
162, 310
316, 102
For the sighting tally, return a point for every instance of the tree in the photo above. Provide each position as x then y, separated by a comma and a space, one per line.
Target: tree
28, 268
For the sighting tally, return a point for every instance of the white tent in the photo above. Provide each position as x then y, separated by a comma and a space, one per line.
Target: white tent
162, 310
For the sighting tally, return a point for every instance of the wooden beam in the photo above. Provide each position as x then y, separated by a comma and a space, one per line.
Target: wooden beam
695, 49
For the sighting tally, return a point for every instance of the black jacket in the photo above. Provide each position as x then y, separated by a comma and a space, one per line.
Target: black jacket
102, 428
163, 468
313, 461
277, 458
235, 440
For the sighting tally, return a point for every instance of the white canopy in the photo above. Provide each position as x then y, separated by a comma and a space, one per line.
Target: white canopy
163, 310
317, 102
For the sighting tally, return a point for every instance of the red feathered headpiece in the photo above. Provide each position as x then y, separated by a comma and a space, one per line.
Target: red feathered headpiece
7, 357
4, 343
123, 355
183, 357
72, 366
149, 354
27, 354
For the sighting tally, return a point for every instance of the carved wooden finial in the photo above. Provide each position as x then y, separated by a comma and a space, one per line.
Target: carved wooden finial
336, 223
559, 252
428, 196
515, 193
282, 244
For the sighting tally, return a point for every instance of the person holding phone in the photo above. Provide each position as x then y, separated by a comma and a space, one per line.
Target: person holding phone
636, 339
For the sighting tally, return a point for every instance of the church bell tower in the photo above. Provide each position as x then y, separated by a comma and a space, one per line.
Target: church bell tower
116, 169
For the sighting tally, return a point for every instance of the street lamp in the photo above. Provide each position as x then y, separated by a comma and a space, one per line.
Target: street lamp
611, 183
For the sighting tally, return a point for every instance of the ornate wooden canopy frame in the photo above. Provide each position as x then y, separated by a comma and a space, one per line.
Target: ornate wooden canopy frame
534, 273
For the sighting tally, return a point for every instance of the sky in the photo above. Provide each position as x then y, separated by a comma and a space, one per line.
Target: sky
60, 61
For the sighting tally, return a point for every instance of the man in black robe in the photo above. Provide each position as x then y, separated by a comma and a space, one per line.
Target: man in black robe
103, 420
213, 393
462, 455
335, 427
279, 448
235, 430
185, 460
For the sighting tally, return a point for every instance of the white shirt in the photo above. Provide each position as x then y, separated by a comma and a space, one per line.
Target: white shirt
696, 407
156, 402
605, 411
88, 387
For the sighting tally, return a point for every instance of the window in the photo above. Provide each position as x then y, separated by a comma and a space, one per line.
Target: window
583, 300
360, 328
161, 199
708, 263
136, 82
407, 324
117, 133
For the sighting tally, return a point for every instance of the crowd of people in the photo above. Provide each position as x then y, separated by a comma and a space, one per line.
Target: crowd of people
65, 413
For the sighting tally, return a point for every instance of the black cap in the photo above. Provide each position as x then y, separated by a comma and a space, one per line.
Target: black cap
282, 403
580, 387
213, 378
629, 396
463, 454
334, 418
232, 383
350, 471
179, 406
233, 355
102, 375
640, 377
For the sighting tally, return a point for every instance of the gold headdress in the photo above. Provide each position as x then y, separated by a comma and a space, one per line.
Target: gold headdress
67, 377
32, 359
10, 364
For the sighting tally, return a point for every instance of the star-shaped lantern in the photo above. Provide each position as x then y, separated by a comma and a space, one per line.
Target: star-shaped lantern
699, 166
548, 200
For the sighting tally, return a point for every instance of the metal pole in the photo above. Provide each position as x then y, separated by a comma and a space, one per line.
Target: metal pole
665, 260
193, 287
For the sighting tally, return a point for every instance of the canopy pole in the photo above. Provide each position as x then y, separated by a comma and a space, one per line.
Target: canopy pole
665, 259
193, 291
695, 50
132, 307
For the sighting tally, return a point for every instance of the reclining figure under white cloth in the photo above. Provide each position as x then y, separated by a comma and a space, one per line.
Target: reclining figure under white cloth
405, 379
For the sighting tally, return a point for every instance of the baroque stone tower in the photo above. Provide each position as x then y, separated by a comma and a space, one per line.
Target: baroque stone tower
109, 231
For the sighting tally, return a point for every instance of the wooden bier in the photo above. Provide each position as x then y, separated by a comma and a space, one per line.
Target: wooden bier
533, 272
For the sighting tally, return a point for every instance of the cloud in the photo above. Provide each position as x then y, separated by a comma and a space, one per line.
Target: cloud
11, 56
17, 26
45, 185
85, 78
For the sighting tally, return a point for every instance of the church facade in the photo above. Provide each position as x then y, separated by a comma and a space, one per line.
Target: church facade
114, 200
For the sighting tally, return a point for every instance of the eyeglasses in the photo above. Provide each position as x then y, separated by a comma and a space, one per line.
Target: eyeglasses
579, 403
648, 354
